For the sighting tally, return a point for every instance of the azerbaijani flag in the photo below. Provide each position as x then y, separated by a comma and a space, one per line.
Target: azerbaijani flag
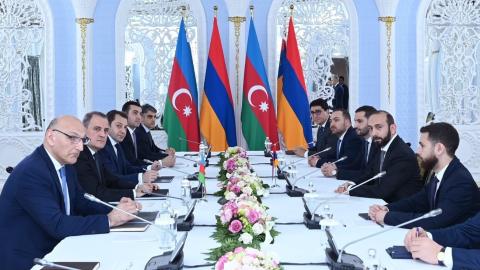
293, 108
258, 112
217, 118
181, 105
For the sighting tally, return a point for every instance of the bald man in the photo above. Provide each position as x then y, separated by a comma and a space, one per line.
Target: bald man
42, 203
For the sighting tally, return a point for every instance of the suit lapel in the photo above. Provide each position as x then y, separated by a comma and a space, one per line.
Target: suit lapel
53, 177
111, 152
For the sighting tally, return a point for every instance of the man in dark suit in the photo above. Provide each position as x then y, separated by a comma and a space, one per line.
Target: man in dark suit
145, 145
451, 188
113, 157
348, 145
457, 247
320, 117
369, 149
341, 82
130, 144
395, 157
42, 202
339, 92
93, 176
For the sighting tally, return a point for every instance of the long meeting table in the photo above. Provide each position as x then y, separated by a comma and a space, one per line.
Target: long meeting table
296, 247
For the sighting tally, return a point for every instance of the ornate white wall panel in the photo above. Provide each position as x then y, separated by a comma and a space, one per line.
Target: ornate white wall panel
150, 30
449, 71
324, 29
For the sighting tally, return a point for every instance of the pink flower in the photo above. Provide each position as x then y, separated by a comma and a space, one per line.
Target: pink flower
226, 216
238, 249
253, 216
236, 189
221, 262
235, 227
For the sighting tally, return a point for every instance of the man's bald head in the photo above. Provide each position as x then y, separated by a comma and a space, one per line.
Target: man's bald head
63, 139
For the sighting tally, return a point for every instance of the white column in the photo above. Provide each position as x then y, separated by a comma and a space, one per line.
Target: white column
236, 12
387, 10
84, 11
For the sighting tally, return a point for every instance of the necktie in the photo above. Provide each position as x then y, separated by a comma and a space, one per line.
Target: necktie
366, 151
433, 191
134, 138
63, 178
97, 164
339, 145
117, 146
382, 158
150, 139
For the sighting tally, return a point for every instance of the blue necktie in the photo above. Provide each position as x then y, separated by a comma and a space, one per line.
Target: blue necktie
433, 191
63, 177
339, 144
134, 139
366, 152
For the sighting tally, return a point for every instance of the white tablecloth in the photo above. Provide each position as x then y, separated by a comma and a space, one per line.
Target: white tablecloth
296, 244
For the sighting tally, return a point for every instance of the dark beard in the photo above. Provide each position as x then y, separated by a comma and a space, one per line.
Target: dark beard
383, 141
429, 163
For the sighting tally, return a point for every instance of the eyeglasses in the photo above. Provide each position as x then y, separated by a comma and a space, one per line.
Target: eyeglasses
74, 139
316, 112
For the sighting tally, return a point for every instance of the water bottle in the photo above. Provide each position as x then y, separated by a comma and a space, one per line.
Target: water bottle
312, 198
167, 228
185, 195
268, 144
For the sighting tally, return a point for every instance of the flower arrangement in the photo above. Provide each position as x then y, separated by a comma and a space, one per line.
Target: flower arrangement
242, 222
243, 182
234, 159
247, 258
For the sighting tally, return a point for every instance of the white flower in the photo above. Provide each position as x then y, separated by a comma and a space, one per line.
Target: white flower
231, 265
246, 238
228, 175
230, 196
260, 191
247, 190
257, 228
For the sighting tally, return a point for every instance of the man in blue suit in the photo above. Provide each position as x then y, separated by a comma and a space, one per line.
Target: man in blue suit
450, 188
457, 247
42, 202
348, 145
369, 149
113, 157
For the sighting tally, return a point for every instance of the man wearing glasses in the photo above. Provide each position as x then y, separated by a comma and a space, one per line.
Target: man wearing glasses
42, 202
325, 138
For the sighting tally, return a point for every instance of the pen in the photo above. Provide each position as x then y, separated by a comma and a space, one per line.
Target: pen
417, 232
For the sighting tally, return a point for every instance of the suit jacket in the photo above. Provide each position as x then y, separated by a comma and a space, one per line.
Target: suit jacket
351, 147
106, 186
338, 97
33, 218
345, 96
146, 146
129, 150
464, 239
458, 197
402, 177
325, 139
118, 165
352, 174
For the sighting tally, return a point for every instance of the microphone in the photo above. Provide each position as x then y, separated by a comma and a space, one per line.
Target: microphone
294, 191
317, 153
430, 214
44, 262
340, 159
92, 198
208, 153
378, 175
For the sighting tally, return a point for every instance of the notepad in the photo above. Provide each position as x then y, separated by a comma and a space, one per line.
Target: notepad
131, 226
77, 265
163, 179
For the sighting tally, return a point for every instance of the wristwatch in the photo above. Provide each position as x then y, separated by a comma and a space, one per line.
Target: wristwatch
441, 257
